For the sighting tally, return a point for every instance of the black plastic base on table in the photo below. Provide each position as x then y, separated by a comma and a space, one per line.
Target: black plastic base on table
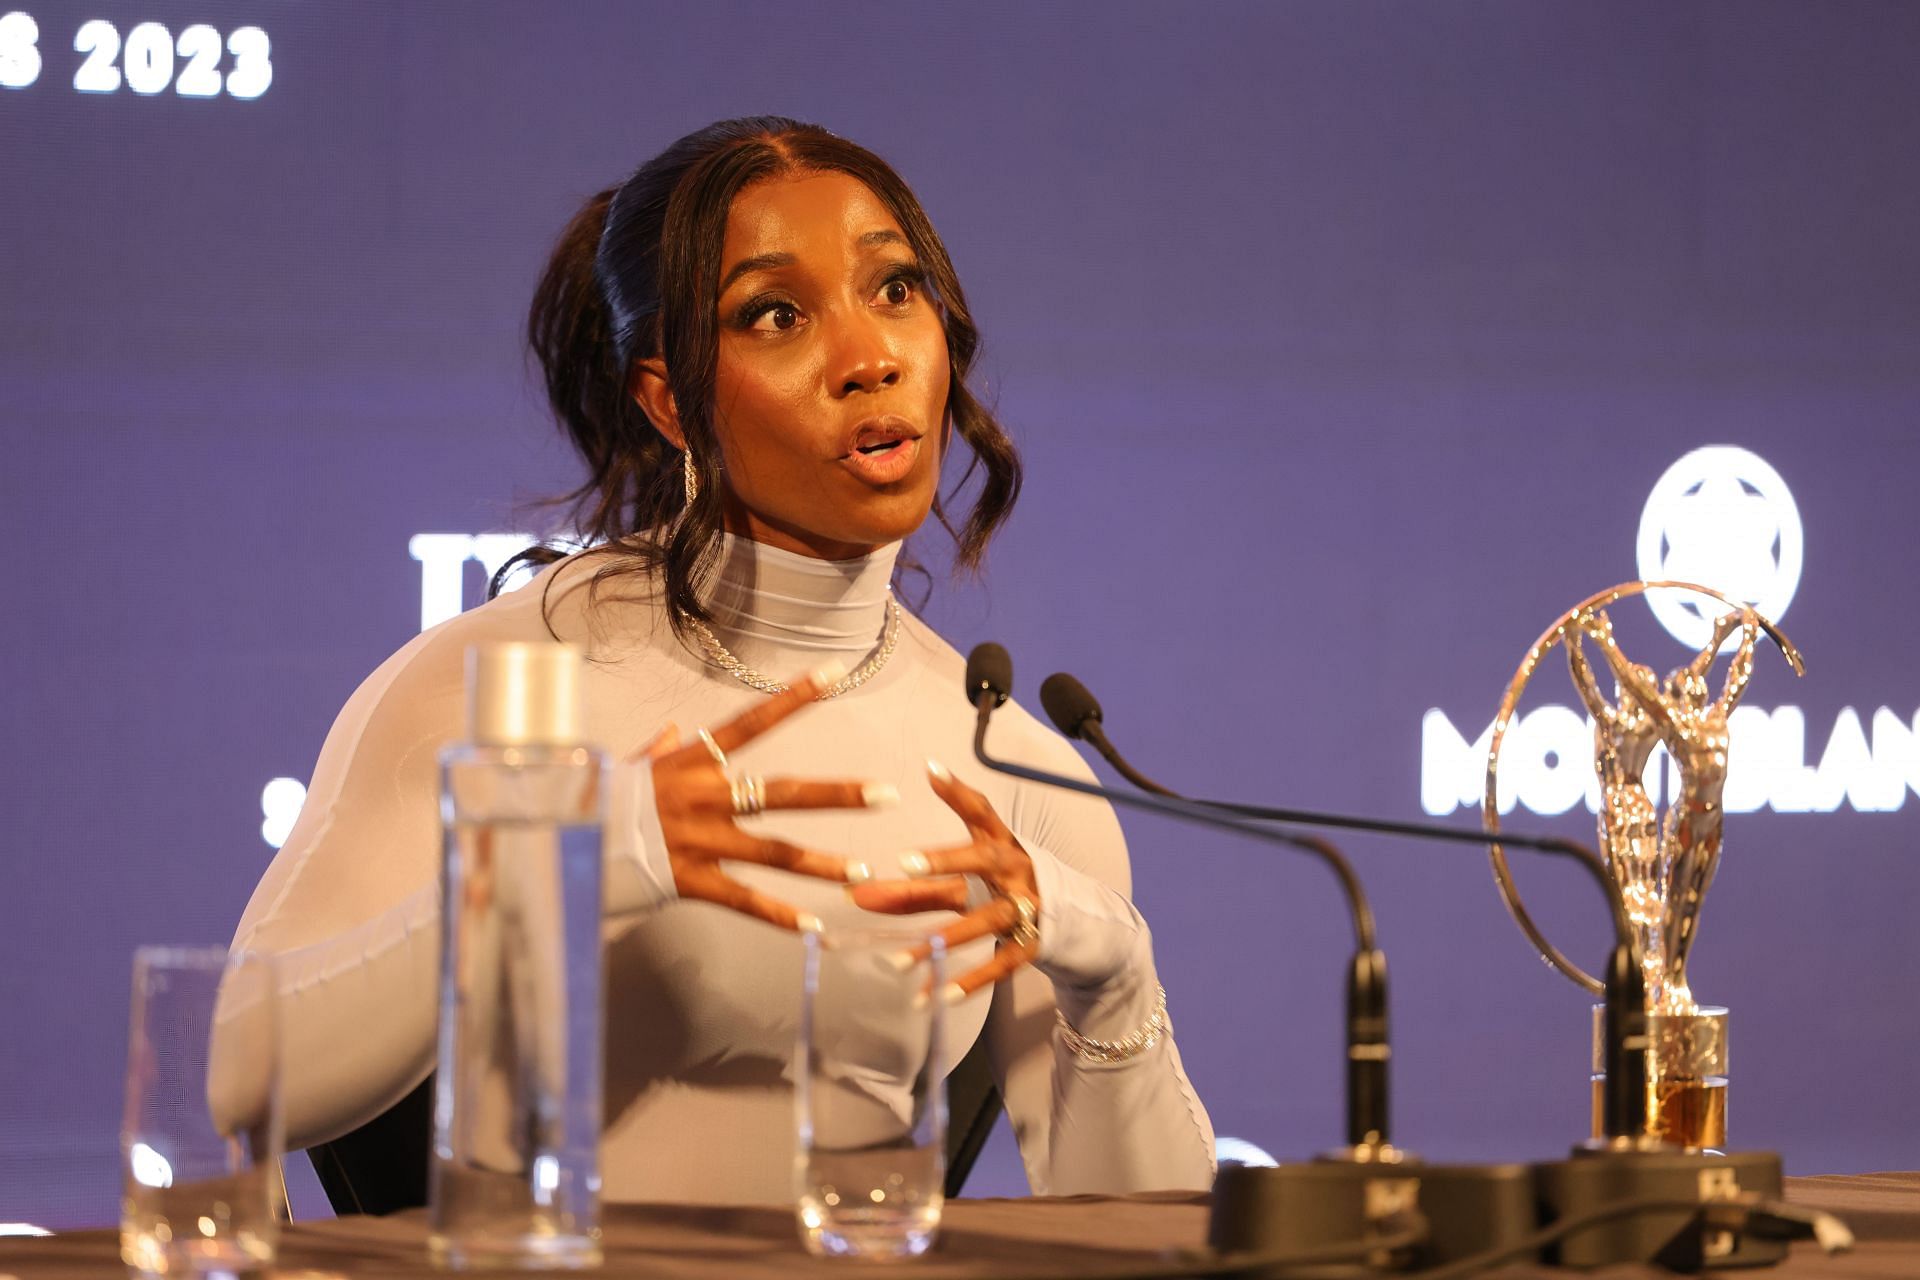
1675, 1239
1467, 1209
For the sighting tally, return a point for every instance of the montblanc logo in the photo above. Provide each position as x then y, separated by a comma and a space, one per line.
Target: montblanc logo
1722, 517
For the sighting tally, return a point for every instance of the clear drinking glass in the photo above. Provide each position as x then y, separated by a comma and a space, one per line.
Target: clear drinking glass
201, 1136
871, 1101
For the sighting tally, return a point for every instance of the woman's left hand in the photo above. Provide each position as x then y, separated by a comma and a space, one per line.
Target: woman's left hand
937, 883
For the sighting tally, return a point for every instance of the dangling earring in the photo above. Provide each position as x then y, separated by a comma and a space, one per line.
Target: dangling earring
689, 476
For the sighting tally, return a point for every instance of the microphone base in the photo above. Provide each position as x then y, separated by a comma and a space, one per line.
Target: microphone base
1465, 1209
1678, 1240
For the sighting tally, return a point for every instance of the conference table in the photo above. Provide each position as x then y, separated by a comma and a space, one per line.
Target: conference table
1088, 1236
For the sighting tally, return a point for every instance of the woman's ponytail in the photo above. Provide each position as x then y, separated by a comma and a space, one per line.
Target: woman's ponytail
569, 330
571, 333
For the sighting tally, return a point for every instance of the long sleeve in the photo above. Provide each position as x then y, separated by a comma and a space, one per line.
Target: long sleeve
1087, 1127
350, 907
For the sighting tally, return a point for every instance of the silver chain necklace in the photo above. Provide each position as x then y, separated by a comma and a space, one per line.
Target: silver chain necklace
722, 657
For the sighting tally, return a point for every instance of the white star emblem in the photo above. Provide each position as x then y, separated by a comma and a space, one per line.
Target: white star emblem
1721, 517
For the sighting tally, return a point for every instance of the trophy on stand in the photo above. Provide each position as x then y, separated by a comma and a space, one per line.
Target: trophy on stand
1662, 865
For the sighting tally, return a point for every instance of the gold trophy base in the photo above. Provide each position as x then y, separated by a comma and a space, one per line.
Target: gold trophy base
1686, 1113
1686, 1077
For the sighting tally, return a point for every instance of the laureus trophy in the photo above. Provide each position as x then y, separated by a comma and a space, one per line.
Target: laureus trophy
1662, 863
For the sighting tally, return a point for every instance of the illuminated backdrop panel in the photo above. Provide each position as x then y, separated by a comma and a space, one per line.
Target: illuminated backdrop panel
1347, 343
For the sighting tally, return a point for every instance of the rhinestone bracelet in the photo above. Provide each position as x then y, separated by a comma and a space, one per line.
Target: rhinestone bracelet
1143, 1038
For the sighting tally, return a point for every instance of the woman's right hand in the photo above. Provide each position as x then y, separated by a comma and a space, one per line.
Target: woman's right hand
694, 798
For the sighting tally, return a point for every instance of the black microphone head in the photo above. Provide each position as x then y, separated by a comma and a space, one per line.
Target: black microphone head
989, 670
1068, 704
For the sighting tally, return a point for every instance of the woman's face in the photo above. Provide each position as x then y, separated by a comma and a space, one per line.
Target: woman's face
832, 379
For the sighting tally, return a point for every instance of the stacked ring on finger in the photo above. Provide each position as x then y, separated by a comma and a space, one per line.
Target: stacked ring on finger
749, 794
1026, 923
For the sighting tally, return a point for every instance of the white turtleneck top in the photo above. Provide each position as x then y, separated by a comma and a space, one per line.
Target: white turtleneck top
701, 1001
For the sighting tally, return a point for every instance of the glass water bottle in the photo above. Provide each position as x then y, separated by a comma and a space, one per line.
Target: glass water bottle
516, 1120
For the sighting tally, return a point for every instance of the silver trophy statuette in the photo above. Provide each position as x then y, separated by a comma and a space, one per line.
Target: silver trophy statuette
1662, 864
1623, 741
1664, 892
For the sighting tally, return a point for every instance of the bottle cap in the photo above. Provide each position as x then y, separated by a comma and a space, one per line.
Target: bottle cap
524, 695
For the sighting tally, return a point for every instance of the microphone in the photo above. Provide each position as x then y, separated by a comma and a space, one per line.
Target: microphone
1070, 706
1075, 712
1569, 1191
989, 675
989, 679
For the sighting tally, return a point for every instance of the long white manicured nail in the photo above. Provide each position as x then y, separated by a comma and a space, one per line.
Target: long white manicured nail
899, 961
915, 864
858, 873
807, 922
879, 795
920, 1000
940, 772
828, 673
952, 993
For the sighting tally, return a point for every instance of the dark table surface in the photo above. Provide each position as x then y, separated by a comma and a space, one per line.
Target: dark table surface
1071, 1236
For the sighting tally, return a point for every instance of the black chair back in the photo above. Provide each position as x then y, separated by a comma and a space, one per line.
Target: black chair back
381, 1167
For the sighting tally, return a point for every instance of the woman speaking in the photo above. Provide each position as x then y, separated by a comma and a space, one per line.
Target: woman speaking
759, 347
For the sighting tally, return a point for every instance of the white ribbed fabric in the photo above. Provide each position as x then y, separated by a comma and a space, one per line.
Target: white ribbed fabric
701, 1001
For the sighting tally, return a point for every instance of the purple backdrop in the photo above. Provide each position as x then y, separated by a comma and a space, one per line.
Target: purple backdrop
1345, 342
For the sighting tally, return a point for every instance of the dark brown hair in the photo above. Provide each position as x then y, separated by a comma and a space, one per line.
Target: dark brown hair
636, 275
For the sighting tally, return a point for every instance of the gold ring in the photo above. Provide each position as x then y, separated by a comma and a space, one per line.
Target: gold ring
713, 748
1026, 925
